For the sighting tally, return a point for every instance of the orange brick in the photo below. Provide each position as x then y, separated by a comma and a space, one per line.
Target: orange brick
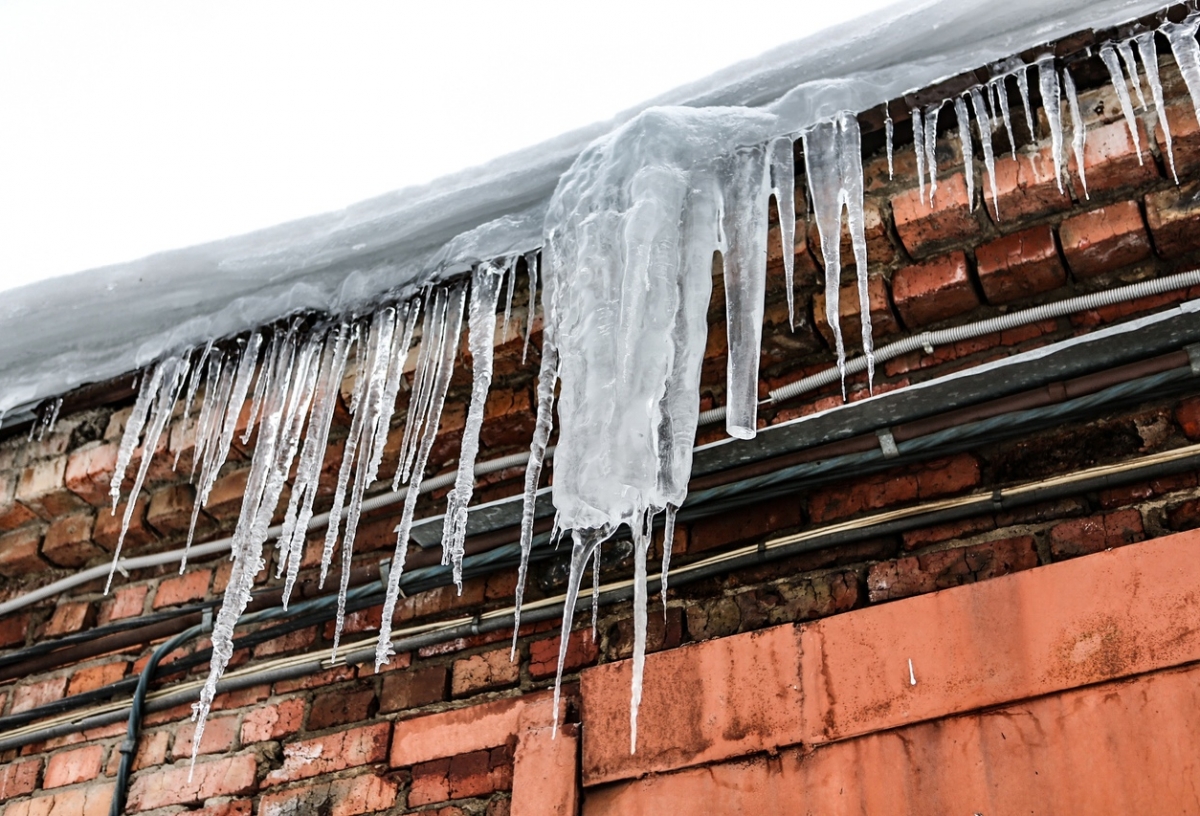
191, 586
332, 752
68, 541
42, 488
90, 470
127, 602
270, 722
17, 778
70, 617
70, 767
108, 527
170, 510
1020, 265
170, 786
19, 552
482, 672
13, 514
219, 736
92, 800
935, 290
883, 322
1174, 218
1026, 188
925, 229
1110, 161
366, 793
95, 677
1105, 239
32, 695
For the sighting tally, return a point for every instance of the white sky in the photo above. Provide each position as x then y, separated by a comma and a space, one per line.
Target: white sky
131, 127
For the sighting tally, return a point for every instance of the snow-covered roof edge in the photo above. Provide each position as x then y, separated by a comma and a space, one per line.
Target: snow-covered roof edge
94, 325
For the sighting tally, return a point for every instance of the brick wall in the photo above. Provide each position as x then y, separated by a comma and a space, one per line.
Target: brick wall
454, 727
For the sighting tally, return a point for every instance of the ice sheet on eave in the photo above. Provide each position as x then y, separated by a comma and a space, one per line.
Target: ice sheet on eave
61, 333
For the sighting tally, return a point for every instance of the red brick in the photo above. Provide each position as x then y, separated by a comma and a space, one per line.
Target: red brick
325, 678
290, 642
340, 708
943, 477
70, 767
13, 514
108, 527
90, 470
508, 418
440, 600
804, 260
1188, 417
1026, 188
1132, 494
151, 751
225, 499
879, 247
1185, 139
93, 800
937, 289
236, 807
581, 651
170, 786
127, 602
480, 773
332, 752
924, 229
13, 629
1110, 161
662, 632
1020, 265
42, 488
430, 783
95, 677
241, 697
883, 322
916, 539
1096, 533
68, 541
482, 672
915, 575
170, 510
191, 586
19, 552
70, 617
403, 690
219, 736
20, 777
1174, 218
1102, 240
745, 524
341, 797
270, 722
32, 695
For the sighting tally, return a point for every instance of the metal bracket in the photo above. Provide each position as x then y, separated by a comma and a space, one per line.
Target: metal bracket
206, 620
887, 443
1193, 353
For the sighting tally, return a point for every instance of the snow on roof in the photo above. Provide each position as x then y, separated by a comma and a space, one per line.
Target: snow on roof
60, 333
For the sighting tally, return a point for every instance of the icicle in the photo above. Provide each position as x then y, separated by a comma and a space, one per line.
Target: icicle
509, 271
1022, 76
133, 431
1126, 52
215, 378
1109, 55
547, 380
194, 377
169, 383
584, 544
888, 133
668, 541
783, 187
418, 403
531, 264
931, 119
449, 330
641, 543
595, 593
1078, 128
1182, 37
1002, 104
1145, 44
1048, 84
261, 384
964, 137
485, 290
985, 125
833, 164
918, 125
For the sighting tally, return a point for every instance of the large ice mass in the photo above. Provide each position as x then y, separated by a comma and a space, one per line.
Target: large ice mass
644, 212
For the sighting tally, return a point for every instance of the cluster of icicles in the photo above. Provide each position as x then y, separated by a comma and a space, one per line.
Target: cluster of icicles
629, 244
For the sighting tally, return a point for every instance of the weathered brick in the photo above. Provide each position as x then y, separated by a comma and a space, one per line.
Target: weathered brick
13, 629
170, 510
924, 229
1132, 494
1020, 265
943, 477
95, 677
482, 672
126, 602
332, 752
745, 524
219, 736
1110, 161
1026, 188
19, 552
430, 783
107, 528
13, 514
151, 750
1105, 239
581, 651
225, 499
42, 488
480, 773
270, 722
170, 786
235, 807
337, 674
90, 470
914, 575
1174, 218
68, 541
191, 586
1187, 414
875, 232
366, 793
421, 686
934, 290
1095, 533
290, 642
341, 707
915, 539
1185, 139
508, 418
660, 634
70, 617
883, 322
70, 767
93, 800
440, 600
18, 778
39, 693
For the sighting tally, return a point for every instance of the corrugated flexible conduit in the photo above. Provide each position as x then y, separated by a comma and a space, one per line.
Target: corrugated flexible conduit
885, 523
925, 340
